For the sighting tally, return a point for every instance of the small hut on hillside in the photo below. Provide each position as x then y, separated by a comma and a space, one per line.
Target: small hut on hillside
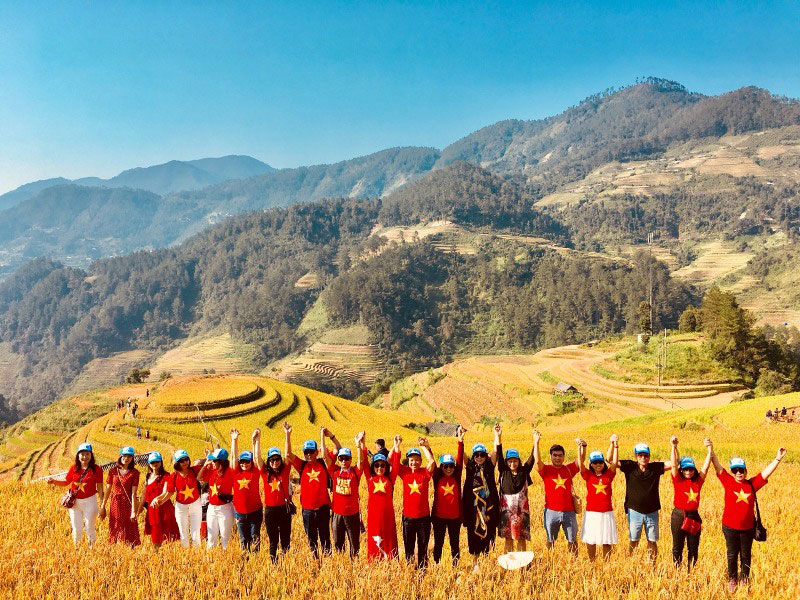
442, 429
564, 388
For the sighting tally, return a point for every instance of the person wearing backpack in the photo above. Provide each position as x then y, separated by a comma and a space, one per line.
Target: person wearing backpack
685, 522
278, 505
315, 500
739, 522
186, 487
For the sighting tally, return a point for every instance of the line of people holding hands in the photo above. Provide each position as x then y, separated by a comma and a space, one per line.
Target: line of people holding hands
486, 493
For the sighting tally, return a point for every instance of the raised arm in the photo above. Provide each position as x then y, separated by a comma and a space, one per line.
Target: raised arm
532, 458
714, 460
674, 456
580, 461
235, 449
497, 443
258, 460
706, 464
288, 430
323, 448
335, 441
361, 448
774, 464
613, 456
426, 449
668, 464
537, 454
460, 455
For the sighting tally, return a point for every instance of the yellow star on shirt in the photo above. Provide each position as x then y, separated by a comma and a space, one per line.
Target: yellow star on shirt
187, 493
741, 496
691, 495
414, 487
274, 485
79, 485
244, 484
379, 485
314, 475
599, 488
214, 489
560, 482
449, 489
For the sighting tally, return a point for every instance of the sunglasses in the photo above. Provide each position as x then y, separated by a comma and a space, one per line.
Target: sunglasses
479, 454
379, 465
345, 458
245, 462
448, 466
308, 452
597, 462
183, 460
274, 458
737, 470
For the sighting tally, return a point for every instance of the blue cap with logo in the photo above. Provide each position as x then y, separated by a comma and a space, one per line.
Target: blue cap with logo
127, 451
479, 448
179, 455
345, 452
641, 449
737, 462
218, 454
84, 448
596, 456
413, 451
512, 453
378, 457
246, 457
154, 458
447, 459
273, 452
687, 462
310, 445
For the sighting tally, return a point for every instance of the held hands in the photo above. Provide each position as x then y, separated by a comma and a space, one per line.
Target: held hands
460, 433
781, 454
497, 429
581, 443
102, 513
286, 427
536, 436
256, 435
709, 444
359, 439
397, 441
234, 434
424, 443
615, 439
673, 440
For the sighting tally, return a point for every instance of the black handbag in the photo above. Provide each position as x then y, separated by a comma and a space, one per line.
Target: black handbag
760, 532
290, 505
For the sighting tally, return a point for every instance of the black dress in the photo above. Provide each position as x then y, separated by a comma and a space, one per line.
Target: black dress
481, 506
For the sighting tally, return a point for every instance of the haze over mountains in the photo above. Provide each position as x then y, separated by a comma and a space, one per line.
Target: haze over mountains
525, 209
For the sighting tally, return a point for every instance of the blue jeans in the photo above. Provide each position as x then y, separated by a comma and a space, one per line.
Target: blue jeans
249, 526
317, 524
555, 520
638, 521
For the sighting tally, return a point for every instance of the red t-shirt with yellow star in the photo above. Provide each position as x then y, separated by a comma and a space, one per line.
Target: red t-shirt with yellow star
246, 495
598, 490
415, 491
276, 487
219, 484
88, 486
558, 486
187, 487
313, 483
739, 512
687, 492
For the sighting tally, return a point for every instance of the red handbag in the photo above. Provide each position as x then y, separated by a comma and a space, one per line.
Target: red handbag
691, 526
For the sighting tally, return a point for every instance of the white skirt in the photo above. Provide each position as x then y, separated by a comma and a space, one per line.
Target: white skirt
599, 528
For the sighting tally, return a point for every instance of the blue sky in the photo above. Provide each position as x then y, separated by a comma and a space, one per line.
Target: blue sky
95, 88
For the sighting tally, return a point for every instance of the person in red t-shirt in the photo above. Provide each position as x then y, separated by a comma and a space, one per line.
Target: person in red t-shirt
185, 485
446, 513
246, 493
219, 516
686, 482
599, 525
346, 520
559, 507
315, 499
738, 516
278, 505
86, 479
416, 509
122, 483
381, 525
159, 522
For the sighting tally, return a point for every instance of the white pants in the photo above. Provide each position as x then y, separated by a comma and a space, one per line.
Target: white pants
83, 516
189, 517
219, 522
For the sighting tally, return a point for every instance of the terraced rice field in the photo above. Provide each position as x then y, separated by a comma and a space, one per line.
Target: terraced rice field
220, 354
715, 260
105, 372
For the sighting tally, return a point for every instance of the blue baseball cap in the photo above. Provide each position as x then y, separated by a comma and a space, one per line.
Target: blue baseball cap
596, 456
84, 448
378, 457
738, 462
479, 448
310, 445
641, 449
218, 454
179, 455
413, 451
127, 451
687, 462
344, 452
154, 458
447, 459
273, 452
246, 457
512, 453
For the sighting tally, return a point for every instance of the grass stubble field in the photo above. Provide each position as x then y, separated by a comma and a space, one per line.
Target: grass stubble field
38, 559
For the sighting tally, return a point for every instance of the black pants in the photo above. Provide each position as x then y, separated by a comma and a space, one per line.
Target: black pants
279, 528
347, 526
739, 544
317, 524
249, 526
453, 528
417, 532
679, 537
481, 545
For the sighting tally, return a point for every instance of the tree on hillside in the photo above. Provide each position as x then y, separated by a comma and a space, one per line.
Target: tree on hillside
689, 321
645, 324
137, 375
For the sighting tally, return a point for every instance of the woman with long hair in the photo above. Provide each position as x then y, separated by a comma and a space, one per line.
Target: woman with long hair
278, 505
188, 497
219, 517
685, 521
159, 522
480, 501
381, 525
122, 484
446, 511
85, 478
246, 495
599, 525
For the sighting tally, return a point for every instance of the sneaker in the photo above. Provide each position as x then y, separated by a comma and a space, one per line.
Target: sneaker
732, 583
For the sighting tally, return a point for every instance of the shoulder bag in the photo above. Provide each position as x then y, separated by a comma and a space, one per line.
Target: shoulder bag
68, 499
760, 532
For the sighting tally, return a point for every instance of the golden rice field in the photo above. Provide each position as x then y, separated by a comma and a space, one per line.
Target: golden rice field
39, 560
